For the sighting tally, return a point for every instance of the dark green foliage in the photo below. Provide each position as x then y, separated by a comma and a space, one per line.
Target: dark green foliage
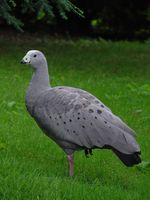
15, 12
116, 19
7, 13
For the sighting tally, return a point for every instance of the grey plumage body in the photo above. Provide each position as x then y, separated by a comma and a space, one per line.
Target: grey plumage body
74, 118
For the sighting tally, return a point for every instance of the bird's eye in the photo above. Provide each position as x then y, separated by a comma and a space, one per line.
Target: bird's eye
34, 55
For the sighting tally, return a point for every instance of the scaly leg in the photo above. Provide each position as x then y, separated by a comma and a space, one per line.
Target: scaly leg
70, 164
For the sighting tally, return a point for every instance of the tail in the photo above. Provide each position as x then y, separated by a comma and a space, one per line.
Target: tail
128, 159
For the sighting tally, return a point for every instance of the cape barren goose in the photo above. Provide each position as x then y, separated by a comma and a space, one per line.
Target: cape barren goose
75, 119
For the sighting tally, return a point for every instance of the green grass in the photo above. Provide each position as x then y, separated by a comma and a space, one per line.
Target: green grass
32, 166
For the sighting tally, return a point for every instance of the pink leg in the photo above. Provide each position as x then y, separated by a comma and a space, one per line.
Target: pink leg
70, 164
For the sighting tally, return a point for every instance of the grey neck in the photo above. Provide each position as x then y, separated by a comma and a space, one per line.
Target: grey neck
38, 84
40, 78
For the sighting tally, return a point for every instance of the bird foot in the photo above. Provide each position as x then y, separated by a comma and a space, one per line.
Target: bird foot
87, 152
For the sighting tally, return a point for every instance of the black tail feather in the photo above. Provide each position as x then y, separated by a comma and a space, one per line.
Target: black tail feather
128, 159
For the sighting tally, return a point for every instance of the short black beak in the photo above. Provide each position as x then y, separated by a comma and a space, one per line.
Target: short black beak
23, 62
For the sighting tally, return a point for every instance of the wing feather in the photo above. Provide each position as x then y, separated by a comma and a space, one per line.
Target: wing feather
75, 119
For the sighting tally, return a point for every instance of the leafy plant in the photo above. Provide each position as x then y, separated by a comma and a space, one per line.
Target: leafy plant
10, 10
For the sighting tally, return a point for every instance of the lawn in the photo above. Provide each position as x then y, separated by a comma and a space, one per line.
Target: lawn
31, 165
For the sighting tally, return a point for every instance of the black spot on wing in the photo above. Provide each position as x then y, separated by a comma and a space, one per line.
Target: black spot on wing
86, 104
91, 110
99, 111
